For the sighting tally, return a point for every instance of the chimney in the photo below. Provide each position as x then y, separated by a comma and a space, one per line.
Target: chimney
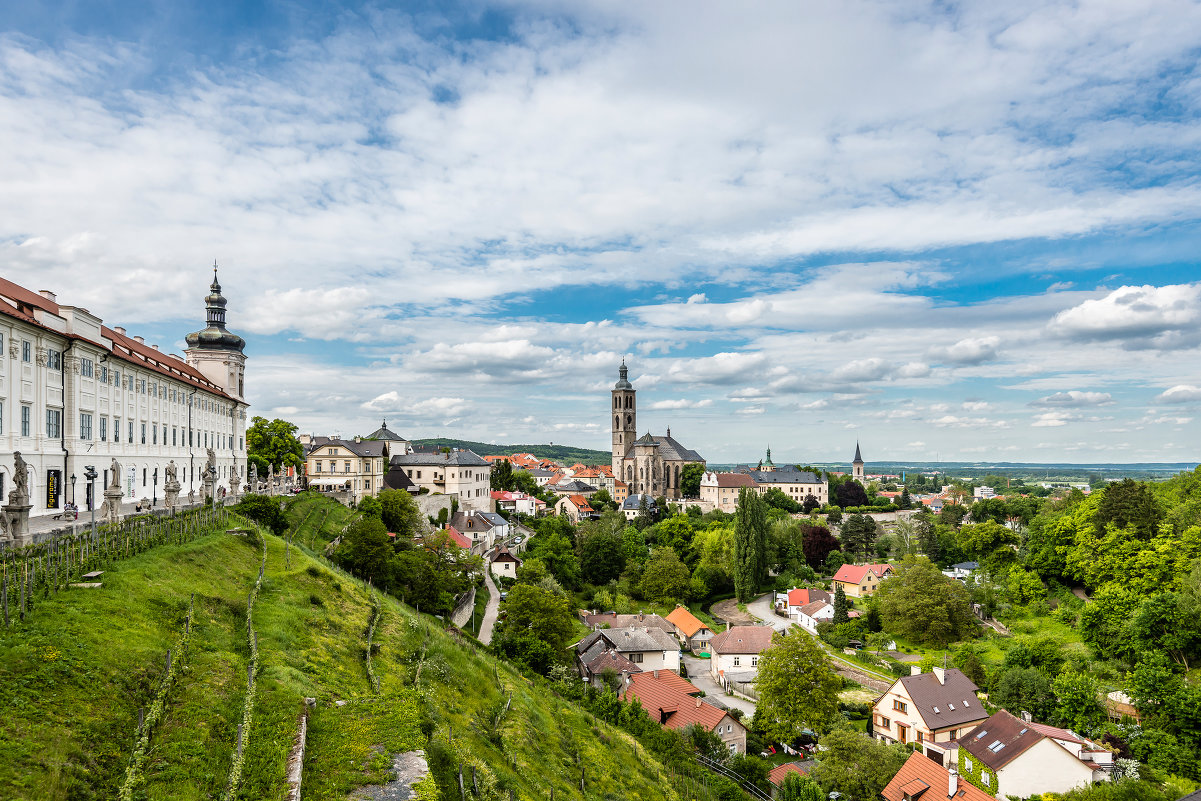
698, 703
915, 670
941, 675
154, 346
952, 782
48, 295
119, 330
140, 340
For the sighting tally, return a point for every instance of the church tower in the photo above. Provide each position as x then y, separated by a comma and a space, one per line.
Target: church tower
857, 467
215, 351
625, 418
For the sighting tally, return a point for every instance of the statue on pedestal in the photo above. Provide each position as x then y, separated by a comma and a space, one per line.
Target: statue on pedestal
16, 513
234, 480
210, 476
110, 512
171, 488
270, 479
254, 477
20, 491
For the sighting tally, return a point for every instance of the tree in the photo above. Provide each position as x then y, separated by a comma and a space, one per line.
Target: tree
817, 542
273, 442
555, 549
856, 765
366, 551
602, 501
1079, 706
1130, 504
810, 504
501, 477
1024, 690
840, 607
370, 506
750, 543
665, 577
601, 556
265, 511
921, 603
851, 493
952, 514
536, 627
776, 499
633, 544
858, 534
400, 513
1104, 622
905, 501
1165, 623
797, 688
690, 479
799, 788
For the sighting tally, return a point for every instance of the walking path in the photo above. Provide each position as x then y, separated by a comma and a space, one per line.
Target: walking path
491, 611
698, 674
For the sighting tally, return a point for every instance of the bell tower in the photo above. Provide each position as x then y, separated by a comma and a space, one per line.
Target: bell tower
216, 351
857, 467
625, 418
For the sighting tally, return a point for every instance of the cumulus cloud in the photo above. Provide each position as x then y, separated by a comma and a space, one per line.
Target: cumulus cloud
1074, 398
682, 403
1181, 393
1138, 317
969, 351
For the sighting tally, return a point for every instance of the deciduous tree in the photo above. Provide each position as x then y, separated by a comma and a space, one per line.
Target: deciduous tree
921, 603
400, 513
856, 765
665, 577
273, 442
797, 688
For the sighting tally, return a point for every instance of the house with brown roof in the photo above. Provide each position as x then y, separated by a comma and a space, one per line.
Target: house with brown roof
647, 647
721, 489
801, 596
601, 659
735, 653
860, 581
688, 628
921, 779
1013, 757
928, 710
504, 564
809, 615
675, 703
612, 620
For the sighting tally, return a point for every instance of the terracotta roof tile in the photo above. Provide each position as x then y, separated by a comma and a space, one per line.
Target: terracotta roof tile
923, 779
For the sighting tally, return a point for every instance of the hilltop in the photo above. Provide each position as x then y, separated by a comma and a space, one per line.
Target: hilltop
564, 454
76, 671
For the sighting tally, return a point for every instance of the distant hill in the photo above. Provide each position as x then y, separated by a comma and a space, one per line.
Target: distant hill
567, 454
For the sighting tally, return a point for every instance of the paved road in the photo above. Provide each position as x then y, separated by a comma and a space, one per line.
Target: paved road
761, 608
698, 674
491, 611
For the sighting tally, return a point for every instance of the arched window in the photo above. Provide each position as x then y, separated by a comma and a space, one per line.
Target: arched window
629, 419
617, 421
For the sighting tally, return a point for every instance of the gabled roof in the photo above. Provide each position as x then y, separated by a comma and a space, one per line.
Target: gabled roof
609, 659
1003, 738
633, 503
574, 486
954, 698
804, 595
460, 458
580, 503
734, 480
742, 640
670, 699
457, 537
685, 621
368, 449
616, 621
923, 779
801, 768
855, 574
784, 477
504, 555
813, 607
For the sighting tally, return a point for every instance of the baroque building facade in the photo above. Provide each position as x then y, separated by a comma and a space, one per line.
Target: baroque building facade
76, 393
649, 465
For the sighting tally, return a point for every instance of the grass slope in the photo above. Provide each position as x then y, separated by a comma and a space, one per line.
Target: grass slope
74, 674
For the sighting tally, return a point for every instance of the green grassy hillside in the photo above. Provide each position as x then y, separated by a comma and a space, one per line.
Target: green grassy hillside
74, 674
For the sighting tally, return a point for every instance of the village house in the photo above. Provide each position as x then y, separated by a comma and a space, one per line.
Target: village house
721, 489
647, 647
691, 632
487, 528
354, 466
735, 653
777, 775
571, 486
632, 505
676, 704
928, 710
1119, 706
575, 508
460, 473
602, 663
797, 597
809, 615
504, 564
860, 581
518, 503
921, 779
1017, 758
612, 620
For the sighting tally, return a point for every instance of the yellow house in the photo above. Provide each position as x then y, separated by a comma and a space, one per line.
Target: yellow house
341, 465
859, 581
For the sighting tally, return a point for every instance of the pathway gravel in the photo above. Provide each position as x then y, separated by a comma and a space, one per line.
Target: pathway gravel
491, 611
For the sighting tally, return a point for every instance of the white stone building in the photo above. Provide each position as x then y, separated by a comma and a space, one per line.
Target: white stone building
460, 473
74, 392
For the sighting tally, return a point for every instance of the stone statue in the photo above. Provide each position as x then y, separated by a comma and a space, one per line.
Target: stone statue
234, 479
254, 477
20, 492
172, 473
115, 470
212, 462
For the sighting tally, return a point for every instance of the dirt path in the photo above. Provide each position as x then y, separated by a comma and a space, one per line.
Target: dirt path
491, 611
1080, 593
729, 612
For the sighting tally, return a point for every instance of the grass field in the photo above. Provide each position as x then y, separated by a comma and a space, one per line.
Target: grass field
75, 673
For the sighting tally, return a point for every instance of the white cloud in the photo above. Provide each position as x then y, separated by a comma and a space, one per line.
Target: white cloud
1049, 420
682, 403
1181, 393
1140, 317
969, 351
1075, 398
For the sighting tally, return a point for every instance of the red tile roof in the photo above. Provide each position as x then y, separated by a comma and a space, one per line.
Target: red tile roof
742, 640
802, 596
855, 574
923, 779
734, 480
777, 774
580, 503
662, 694
458, 538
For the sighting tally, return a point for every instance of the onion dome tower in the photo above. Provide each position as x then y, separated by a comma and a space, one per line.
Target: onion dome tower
216, 351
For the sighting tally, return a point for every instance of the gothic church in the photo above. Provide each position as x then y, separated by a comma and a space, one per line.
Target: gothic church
649, 465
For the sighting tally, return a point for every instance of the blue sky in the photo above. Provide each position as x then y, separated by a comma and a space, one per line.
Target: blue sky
966, 231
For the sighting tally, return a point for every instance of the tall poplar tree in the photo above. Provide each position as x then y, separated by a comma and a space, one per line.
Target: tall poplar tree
750, 544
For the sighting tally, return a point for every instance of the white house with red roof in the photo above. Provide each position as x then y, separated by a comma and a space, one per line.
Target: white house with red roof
518, 502
860, 581
802, 596
676, 704
575, 508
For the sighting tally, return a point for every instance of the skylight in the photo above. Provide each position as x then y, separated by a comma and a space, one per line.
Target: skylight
951, 707
996, 746
1023, 731
980, 736
936, 712
965, 703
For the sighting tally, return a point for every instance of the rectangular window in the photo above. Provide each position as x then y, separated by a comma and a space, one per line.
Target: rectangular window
737, 661
367, 484
143, 433
635, 657
346, 467
164, 435
318, 470
104, 373
116, 378
174, 434
984, 777
54, 360
130, 440
154, 435
1, 410
104, 429
26, 351
900, 706
85, 368
54, 422
85, 425
142, 386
